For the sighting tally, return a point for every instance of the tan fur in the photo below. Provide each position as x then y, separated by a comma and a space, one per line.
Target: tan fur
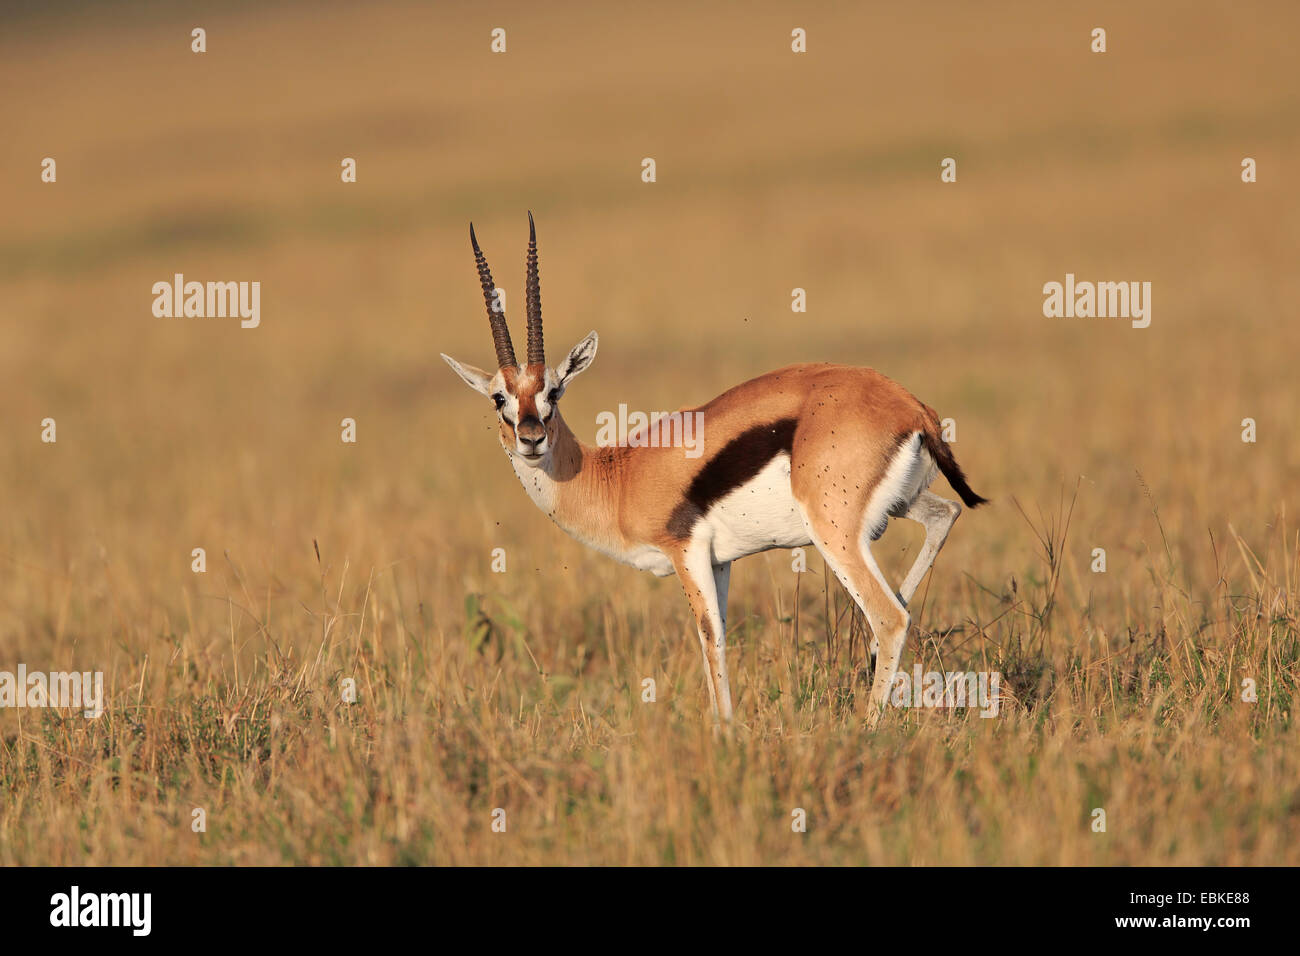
847, 418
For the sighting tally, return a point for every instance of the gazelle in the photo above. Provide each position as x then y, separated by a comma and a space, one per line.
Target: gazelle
808, 454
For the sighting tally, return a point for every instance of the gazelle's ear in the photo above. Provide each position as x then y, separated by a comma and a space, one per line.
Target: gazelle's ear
474, 377
577, 360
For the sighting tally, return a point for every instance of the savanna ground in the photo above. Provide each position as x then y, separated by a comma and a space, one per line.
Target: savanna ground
522, 690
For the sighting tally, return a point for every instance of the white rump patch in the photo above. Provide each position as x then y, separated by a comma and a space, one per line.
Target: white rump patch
910, 472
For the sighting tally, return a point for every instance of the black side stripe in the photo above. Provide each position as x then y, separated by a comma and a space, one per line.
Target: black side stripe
740, 460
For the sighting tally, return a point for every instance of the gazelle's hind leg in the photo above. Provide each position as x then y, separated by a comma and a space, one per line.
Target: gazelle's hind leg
938, 516
706, 590
848, 555
844, 516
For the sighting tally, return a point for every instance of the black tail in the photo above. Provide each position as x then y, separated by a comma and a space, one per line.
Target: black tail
942, 455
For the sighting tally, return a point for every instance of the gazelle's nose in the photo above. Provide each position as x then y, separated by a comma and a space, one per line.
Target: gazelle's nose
531, 434
531, 431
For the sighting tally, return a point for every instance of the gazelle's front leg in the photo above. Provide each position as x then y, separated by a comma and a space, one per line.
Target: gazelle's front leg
706, 590
721, 584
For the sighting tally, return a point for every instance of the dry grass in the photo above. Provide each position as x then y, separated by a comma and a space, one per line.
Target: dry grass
522, 690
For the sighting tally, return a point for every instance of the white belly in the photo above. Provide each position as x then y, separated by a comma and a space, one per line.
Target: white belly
650, 559
759, 515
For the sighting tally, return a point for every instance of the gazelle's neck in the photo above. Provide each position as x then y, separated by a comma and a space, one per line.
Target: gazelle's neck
575, 487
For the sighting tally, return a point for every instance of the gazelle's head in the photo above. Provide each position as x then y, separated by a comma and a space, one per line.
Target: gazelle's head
526, 396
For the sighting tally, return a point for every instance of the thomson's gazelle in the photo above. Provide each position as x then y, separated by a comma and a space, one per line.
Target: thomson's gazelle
808, 454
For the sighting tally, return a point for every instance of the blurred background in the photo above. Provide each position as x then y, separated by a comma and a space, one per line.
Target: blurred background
774, 171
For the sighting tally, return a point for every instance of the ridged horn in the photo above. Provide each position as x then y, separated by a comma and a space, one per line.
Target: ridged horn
496, 314
536, 350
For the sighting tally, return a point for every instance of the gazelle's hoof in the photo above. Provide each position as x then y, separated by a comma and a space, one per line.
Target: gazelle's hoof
873, 717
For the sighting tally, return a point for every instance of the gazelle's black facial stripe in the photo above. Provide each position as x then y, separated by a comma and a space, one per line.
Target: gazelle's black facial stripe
547, 408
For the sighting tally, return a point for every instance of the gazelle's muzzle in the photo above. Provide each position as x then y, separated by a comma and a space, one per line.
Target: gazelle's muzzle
530, 439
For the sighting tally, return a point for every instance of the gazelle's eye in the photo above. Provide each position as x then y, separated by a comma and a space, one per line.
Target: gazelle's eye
499, 401
553, 396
